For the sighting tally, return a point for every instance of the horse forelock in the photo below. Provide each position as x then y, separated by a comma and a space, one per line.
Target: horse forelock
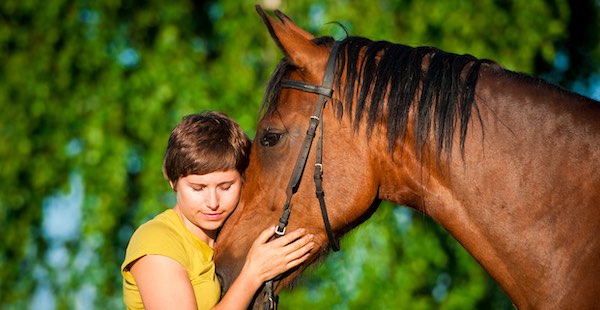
384, 80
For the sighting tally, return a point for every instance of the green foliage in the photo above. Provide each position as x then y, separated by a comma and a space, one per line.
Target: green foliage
89, 91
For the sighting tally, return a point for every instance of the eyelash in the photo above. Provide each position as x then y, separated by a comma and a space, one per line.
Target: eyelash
198, 189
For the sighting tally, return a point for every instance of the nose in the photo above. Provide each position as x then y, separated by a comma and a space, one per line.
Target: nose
212, 201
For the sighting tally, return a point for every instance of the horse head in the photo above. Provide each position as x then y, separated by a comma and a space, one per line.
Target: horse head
347, 157
456, 137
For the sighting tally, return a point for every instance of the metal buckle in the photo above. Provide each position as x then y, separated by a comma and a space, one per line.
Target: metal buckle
272, 302
320, 166
280, 233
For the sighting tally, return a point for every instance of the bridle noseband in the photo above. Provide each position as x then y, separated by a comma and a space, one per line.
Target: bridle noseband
325, 91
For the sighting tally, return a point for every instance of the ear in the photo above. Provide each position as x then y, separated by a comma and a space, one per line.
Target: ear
294, 41
289, 23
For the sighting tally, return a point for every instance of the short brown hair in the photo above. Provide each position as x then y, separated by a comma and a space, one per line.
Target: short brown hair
204, 143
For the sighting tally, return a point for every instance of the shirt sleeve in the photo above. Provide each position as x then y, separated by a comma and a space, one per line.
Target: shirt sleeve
154, 238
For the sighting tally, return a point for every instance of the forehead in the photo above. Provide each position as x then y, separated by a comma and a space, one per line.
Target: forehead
284, 98
217, 177
271, 98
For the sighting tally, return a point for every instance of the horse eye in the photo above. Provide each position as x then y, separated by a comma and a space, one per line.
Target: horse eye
270, 139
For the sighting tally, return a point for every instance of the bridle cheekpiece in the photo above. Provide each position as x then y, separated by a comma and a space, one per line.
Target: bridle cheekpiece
325, 92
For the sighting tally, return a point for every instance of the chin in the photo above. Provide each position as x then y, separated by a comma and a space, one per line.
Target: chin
213, 226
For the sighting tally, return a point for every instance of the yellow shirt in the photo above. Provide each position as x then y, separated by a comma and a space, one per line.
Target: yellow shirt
166, 235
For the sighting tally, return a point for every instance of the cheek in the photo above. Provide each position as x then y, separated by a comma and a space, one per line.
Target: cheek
189, 197
231, 198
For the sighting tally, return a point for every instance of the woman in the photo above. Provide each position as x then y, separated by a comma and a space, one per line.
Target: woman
169, 260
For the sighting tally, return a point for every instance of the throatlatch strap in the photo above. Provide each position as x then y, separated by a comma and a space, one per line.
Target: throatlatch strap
318, 177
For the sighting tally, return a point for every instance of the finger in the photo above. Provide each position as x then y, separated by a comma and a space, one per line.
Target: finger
298, 244
295, 262
265, 235
289, 237
290, 261
300, 251
286, 262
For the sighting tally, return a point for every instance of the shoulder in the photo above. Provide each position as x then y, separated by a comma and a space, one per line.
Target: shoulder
159, 236
161, 228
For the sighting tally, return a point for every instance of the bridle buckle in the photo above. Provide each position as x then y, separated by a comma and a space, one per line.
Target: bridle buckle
320, 166
280, 230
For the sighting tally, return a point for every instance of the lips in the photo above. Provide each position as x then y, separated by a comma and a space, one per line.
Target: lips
213, 216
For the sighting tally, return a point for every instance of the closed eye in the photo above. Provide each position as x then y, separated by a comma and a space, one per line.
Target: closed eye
270, 138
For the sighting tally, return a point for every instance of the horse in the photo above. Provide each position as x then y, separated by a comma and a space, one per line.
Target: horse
507, 163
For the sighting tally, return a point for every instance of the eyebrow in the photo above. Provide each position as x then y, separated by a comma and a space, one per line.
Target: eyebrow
218, 184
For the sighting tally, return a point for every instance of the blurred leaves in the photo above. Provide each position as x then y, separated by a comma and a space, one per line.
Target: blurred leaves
89, 91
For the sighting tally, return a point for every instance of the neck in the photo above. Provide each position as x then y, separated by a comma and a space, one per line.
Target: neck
498, 235
529, 222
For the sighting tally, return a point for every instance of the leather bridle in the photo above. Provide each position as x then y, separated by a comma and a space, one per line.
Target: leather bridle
325, 91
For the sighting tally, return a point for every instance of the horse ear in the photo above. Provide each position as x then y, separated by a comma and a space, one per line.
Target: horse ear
288, 22
292, 40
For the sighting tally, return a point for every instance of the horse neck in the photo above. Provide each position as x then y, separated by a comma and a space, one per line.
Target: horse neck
508, 200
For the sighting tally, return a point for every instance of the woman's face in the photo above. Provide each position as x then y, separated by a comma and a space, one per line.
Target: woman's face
204, 201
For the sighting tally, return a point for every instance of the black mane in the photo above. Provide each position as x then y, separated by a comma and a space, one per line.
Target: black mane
389, 80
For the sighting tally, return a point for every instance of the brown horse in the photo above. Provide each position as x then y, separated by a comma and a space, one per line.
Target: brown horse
506, 163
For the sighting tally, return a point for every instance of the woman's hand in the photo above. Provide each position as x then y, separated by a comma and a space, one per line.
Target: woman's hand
268, 259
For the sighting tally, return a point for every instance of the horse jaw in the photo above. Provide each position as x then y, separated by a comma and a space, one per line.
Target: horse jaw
232, 247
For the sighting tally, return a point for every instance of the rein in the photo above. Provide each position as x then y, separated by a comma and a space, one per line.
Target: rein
325, 91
